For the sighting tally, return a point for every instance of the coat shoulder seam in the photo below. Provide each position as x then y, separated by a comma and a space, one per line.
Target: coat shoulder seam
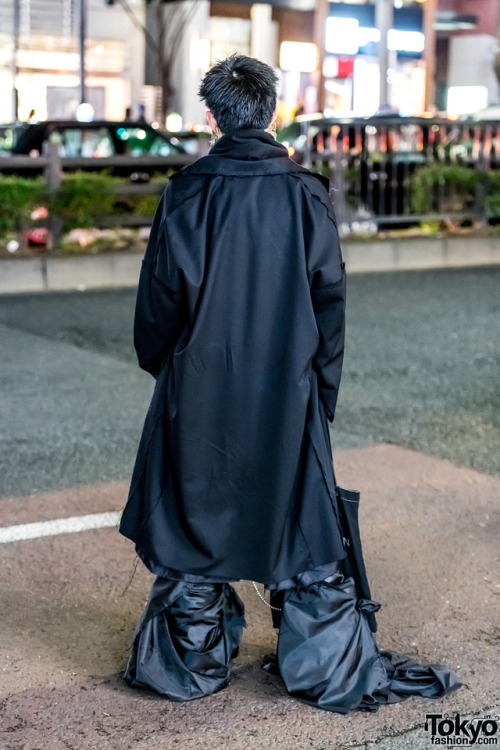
170, 205
326, 204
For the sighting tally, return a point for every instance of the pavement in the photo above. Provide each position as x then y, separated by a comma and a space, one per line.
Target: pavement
416, 431
119, 269
420, 370
69, 603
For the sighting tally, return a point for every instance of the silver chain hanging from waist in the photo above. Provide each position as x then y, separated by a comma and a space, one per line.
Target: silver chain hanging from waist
278, 609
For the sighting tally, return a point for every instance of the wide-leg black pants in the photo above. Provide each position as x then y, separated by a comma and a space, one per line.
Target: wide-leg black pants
327, 655
189, 634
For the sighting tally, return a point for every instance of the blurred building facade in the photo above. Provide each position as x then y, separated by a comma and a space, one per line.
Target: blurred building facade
437, 54
441, 53
46, 64
469, 51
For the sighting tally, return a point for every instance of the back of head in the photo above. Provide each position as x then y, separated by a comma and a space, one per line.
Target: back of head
241, 93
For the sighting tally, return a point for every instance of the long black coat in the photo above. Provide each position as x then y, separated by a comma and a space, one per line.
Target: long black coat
240, 317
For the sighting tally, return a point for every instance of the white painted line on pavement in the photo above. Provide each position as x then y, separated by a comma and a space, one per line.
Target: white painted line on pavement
59, 526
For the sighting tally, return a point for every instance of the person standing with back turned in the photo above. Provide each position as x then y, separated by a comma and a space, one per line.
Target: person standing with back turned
240, 318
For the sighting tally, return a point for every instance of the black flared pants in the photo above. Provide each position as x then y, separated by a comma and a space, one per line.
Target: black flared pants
327, 655
188, 636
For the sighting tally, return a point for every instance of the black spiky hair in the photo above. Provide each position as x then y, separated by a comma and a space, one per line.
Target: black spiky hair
240, 92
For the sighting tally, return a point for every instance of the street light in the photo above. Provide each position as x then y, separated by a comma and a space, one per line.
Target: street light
320, 16
82, 35
13, 65
429, 8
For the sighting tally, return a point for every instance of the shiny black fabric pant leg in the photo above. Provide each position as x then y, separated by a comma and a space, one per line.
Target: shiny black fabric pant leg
186, 640
328, 657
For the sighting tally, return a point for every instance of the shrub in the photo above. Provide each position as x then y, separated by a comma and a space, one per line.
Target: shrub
82, 199
492, 193
20, 195
451, 187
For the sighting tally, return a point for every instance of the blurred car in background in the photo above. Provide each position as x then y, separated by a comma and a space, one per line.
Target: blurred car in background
488, 114
195, 142
96, 145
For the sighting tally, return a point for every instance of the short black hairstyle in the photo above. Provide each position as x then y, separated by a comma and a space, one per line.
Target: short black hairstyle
241, 93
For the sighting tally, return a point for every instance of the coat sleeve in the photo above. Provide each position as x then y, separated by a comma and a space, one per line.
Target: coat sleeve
159, 306
326, 271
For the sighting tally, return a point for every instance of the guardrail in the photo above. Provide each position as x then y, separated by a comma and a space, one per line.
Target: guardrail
52, 167
373, 165
51, 160
384, 171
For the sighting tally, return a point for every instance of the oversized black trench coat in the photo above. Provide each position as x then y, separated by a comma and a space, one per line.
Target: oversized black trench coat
240, 317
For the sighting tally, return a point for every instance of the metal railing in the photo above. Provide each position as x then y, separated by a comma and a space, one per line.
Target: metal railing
52, 161
51, 167
372, 163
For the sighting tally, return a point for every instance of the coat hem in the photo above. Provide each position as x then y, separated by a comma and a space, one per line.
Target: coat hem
166, 572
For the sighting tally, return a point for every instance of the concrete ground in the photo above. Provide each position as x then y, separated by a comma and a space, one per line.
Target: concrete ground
68, 604
52, 273
417, 431
420, 370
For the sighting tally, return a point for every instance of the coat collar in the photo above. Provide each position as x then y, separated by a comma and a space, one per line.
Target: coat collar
245, 152
249, 145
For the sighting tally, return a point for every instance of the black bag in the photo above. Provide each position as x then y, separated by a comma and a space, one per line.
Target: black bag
348, 508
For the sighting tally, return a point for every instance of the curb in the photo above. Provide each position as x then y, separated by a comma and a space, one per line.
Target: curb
83, 272
54, 274
419, 253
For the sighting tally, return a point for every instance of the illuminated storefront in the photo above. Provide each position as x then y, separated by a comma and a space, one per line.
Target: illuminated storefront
351, 67
45, 67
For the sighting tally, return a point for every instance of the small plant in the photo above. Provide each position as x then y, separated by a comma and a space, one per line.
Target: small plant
449, 187
82, 199
147, 203
20, 195
492, 193
86, 200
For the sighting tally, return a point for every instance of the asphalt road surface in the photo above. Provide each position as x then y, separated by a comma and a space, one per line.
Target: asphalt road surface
421, 370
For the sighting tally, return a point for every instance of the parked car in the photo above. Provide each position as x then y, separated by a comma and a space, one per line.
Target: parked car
95, 145
195, 142
488, 114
